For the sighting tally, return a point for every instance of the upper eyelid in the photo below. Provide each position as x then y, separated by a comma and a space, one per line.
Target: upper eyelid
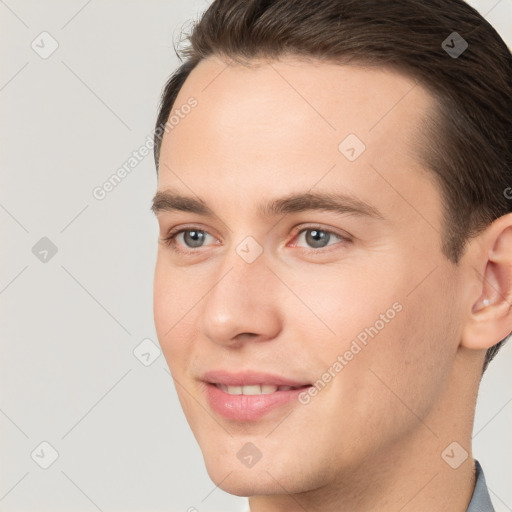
297, 229
176, 231
299, 232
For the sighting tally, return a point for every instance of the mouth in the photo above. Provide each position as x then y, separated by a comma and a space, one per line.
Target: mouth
248, 396
255, 389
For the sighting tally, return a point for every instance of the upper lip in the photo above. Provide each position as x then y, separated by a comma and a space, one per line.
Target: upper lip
248, 378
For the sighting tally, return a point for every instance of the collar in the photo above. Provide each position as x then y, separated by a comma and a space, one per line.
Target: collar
480, 501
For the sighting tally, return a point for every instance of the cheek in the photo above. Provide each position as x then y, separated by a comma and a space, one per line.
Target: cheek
174, 295
391, 340
409, 360
163, 306
348, 302
172, 313
390, 382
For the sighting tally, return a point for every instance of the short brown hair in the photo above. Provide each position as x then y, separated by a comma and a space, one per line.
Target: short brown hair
468, 143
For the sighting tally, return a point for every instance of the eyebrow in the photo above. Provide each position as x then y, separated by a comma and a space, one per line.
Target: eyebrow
168, 200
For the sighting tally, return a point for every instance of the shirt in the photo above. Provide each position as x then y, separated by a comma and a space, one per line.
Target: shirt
480, 501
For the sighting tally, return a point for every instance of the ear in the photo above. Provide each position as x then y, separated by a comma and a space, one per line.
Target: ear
490, 309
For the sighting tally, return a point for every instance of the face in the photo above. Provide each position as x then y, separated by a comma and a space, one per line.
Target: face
307, 256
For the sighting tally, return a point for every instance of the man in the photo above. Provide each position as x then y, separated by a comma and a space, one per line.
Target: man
334, 270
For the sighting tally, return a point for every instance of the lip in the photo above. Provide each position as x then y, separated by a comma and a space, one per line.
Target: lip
248, 407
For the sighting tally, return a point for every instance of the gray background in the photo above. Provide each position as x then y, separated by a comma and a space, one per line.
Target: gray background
70, 324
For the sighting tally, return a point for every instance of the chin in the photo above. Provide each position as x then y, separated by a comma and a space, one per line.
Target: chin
245, 482
266, 477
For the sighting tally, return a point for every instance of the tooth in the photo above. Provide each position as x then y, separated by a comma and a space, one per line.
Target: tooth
251, 390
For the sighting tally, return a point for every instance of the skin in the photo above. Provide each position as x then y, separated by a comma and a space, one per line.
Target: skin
372, 439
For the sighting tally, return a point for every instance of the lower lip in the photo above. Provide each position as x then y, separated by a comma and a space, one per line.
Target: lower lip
248, 407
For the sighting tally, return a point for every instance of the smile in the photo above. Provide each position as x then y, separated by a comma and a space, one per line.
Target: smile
254, 389
251, 395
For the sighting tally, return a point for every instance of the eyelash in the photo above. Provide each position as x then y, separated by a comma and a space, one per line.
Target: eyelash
170, 240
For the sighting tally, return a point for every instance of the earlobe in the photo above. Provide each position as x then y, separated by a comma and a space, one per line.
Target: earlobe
490, 317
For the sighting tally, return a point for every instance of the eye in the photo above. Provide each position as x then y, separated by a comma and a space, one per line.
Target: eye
317, 238
189, 238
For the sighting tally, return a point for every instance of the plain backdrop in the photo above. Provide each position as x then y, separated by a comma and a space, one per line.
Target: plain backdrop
76, 272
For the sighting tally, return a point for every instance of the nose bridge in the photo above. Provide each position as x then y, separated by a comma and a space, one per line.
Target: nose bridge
240, 281
244, 269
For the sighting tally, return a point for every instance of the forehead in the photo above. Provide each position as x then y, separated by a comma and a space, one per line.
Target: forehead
287, 124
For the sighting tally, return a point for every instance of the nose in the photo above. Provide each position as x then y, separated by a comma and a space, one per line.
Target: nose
242, 303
